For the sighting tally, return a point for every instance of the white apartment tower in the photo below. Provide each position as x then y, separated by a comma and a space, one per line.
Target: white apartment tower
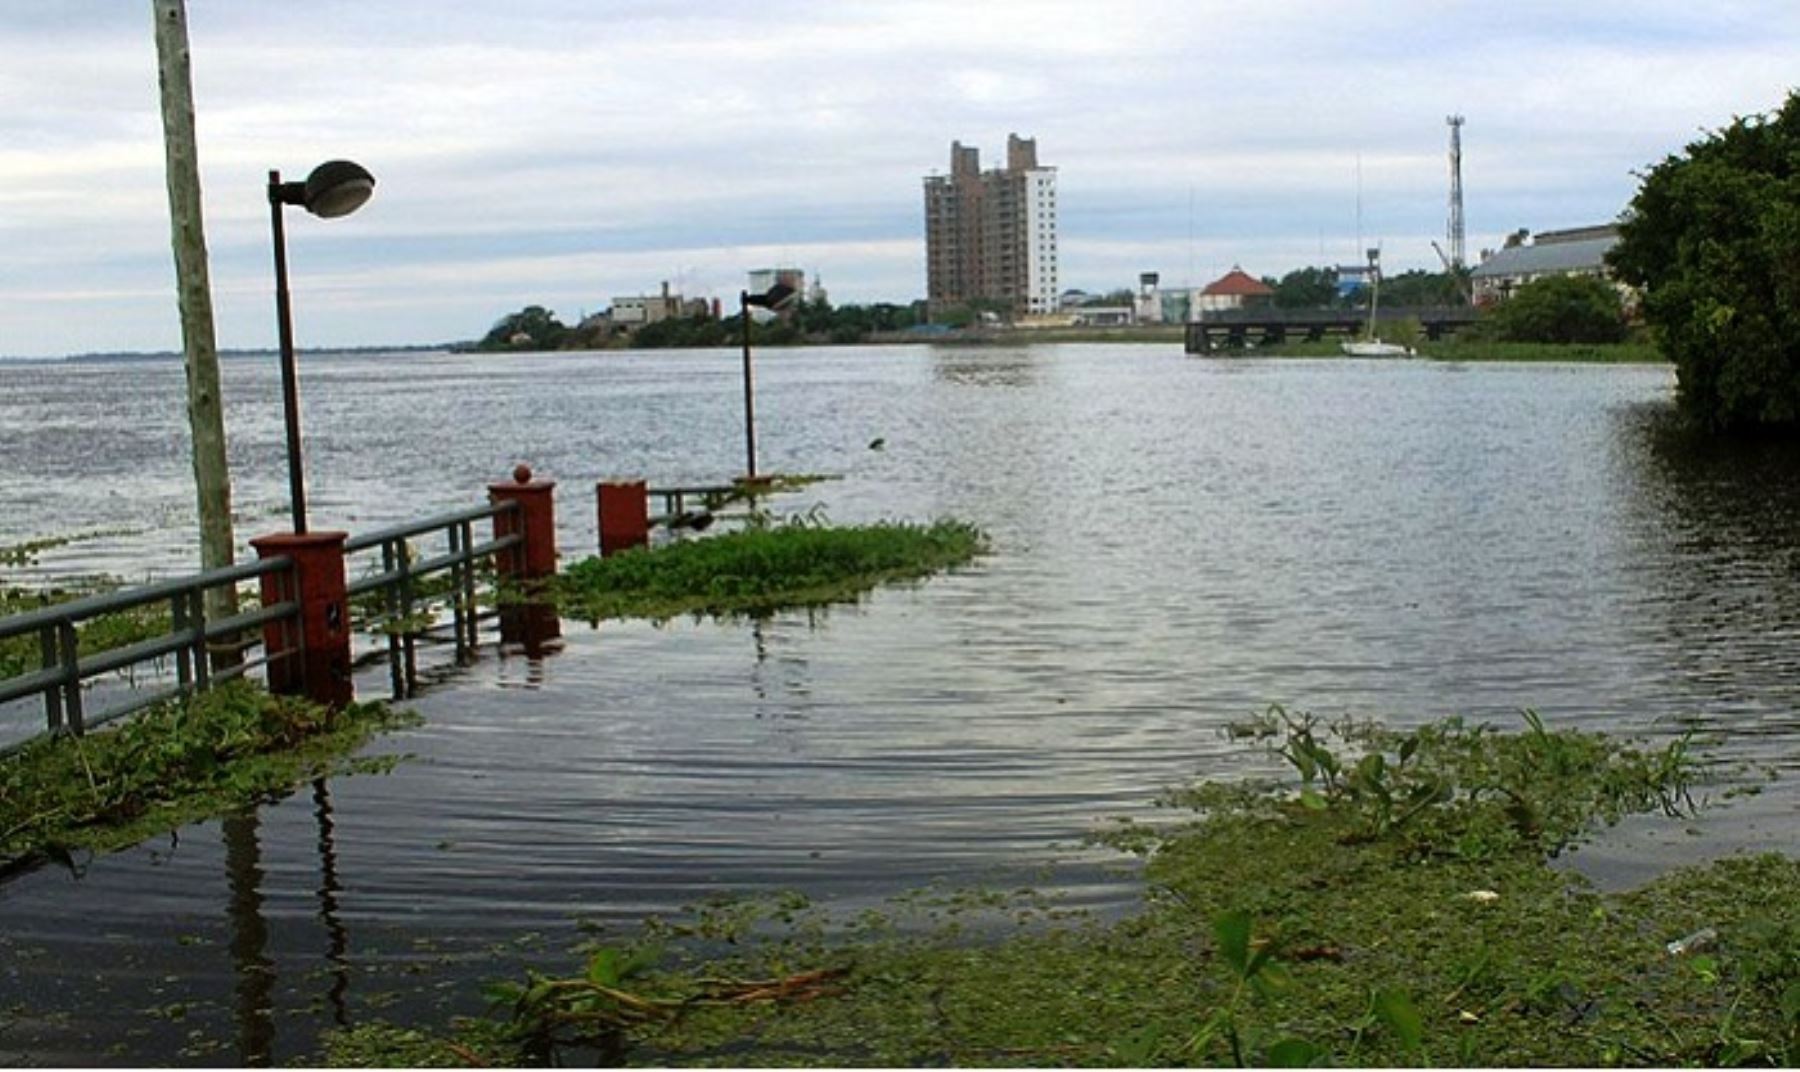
991, 235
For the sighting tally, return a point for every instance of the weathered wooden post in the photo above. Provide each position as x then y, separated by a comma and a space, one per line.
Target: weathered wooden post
531, 565
624, 507
317, 665
206, 407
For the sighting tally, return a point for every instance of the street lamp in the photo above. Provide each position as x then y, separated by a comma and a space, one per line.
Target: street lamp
335, 188
775, 298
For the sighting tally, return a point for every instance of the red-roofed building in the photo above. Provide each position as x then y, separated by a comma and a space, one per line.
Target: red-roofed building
1236, 289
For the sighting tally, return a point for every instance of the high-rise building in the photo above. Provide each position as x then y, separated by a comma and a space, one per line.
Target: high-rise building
991, 235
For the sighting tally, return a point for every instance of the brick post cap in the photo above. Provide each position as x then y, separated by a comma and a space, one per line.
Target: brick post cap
281, 542
521, 481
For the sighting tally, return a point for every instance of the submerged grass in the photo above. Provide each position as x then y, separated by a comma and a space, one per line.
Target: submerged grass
175, 763
1392, 906
759, 570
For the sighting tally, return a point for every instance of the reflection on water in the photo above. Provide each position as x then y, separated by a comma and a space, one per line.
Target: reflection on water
986, 367
249, 941
337, 944
1177, 543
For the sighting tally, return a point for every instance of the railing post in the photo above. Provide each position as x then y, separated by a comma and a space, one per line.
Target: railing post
319, 667
532, 564
624, 507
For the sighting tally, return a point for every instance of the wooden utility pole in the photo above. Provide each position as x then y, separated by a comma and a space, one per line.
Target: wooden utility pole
206, 409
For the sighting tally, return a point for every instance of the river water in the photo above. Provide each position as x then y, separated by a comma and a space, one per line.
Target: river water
1177, 543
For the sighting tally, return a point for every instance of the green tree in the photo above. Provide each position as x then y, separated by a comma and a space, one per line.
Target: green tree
1713, 240
1306, 288
687, 331
1561, 308
531, 328
1419, 287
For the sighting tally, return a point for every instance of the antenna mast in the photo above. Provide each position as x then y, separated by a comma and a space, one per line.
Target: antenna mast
1457, 259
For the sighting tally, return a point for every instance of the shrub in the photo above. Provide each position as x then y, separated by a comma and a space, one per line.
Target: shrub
1713, 238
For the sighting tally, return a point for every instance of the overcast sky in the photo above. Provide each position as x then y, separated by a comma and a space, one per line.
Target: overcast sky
561, 152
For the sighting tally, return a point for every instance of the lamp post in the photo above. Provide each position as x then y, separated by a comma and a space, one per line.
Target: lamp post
335, 188
775, 298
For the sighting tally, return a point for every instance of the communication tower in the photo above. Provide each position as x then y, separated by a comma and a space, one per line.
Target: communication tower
1456, 235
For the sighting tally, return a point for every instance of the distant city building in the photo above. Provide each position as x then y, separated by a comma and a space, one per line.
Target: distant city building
1576, 251
1236, 289
1353, 279
1149, 306
991, 235
636, 310
1104, 316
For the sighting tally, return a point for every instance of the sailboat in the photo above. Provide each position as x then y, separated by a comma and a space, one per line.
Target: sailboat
1371, 345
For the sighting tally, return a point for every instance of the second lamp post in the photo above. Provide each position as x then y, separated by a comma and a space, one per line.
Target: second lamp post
335, 188
775, 298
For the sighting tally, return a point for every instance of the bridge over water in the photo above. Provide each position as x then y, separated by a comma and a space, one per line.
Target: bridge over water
1237, 329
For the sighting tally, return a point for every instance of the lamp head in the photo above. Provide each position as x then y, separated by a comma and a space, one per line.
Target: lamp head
338, 188
335, 188
776, 297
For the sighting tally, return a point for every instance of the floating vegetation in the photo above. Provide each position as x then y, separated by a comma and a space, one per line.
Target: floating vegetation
761, 569
173, 764
1393, 904
26, 552
24, 654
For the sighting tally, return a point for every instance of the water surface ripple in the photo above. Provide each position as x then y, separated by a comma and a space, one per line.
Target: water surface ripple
1177, 543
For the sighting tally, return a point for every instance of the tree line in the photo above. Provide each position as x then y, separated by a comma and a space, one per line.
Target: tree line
537, 328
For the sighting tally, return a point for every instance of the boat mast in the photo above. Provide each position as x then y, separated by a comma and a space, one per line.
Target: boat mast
1374, 286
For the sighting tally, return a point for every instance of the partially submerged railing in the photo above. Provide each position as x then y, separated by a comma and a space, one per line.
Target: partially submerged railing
709, 497
191, 638
304, 623
409, 607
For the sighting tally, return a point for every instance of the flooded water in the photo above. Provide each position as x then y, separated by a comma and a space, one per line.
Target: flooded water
1177, 544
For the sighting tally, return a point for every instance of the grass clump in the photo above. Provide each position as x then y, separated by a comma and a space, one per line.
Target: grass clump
1393, 904
762, 569
172, 764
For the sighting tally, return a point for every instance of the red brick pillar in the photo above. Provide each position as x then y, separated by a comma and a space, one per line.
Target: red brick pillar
530, 565
624, 515
319, 667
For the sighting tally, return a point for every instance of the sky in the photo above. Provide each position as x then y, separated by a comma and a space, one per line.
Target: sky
563, 152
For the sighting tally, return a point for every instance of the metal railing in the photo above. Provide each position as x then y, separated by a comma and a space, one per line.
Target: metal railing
191, 638
408, 609
711, 496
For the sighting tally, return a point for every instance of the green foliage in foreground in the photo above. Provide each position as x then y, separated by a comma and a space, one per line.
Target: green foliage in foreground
175, 763
1395, 907
759, 570
1711, 239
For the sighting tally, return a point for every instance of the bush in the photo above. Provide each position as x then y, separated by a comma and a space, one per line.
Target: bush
1561, 309
1713, 238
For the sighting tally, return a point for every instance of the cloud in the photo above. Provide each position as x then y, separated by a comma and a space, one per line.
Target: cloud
561, 151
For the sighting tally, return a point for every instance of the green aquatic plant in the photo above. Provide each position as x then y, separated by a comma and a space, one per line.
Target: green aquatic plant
798, 563
24, 654
1365, 924
171, 764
